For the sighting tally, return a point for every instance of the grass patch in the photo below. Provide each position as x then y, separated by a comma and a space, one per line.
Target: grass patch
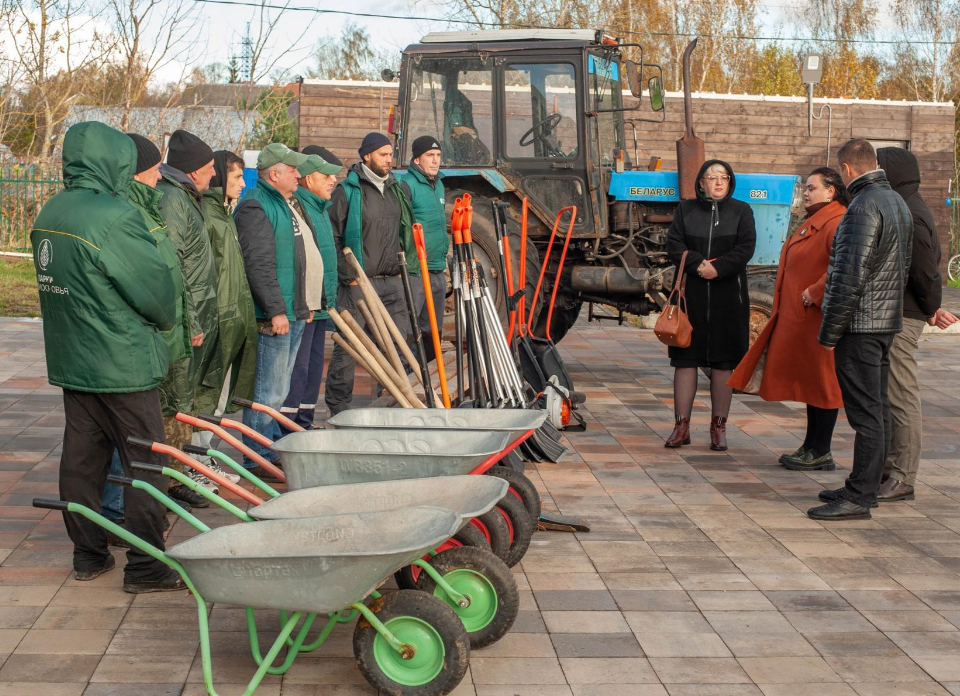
954, 283
18, 288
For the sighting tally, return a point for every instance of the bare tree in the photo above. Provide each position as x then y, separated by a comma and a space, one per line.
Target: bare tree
926, 60
57, 43
150, 35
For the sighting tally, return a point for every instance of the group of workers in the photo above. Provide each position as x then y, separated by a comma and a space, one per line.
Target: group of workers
165, 290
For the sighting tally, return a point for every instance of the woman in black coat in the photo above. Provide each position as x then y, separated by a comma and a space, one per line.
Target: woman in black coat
720, 236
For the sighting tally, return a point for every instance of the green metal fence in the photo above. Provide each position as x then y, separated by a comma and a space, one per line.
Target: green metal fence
24, 188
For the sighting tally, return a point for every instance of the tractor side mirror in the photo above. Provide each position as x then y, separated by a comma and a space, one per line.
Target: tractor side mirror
634, 76
655, 88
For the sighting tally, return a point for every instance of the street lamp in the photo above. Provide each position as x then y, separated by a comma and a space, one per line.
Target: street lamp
812, 74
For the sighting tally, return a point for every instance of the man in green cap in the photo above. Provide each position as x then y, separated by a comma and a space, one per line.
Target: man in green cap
318, 179
285, 272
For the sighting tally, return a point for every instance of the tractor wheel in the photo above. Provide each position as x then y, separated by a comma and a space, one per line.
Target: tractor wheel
486, 251
761, 302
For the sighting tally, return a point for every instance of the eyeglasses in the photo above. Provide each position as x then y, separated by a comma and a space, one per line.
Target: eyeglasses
714, 179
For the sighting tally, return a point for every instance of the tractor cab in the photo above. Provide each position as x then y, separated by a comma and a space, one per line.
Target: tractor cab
538, 113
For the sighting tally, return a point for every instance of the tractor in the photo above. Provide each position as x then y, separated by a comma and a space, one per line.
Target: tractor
541, 115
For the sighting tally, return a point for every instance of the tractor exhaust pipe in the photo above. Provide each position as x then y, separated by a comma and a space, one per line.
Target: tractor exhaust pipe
690, 149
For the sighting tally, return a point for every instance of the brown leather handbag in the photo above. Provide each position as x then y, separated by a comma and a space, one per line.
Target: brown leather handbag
673, 327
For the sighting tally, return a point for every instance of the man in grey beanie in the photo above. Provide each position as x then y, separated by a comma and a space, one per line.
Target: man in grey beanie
370, 213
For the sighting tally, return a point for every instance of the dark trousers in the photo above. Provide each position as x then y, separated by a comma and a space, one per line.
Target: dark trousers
96, 425
340, 373
863, 368
438, 288
301, 402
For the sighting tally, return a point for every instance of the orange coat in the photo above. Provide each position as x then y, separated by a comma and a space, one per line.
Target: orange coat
797, 367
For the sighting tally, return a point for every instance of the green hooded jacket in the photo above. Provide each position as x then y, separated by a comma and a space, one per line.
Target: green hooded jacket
105, 290
147, 200
316, 208
427, 198
182, 211
238, 325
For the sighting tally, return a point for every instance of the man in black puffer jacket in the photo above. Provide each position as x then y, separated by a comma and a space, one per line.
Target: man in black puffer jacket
921, 306
862, 312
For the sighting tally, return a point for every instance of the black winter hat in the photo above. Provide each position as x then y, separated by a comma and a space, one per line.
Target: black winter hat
323, 153
423, 144
372, 142
187, 152
148, 154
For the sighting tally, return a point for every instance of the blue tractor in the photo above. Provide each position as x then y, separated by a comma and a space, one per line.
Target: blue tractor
540, 114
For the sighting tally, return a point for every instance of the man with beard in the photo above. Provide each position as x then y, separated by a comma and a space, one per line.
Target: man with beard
370, 213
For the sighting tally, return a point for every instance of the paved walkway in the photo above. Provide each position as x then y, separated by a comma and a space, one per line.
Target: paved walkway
702, 575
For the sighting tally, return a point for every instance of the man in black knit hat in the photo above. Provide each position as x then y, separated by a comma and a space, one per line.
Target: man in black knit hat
184, 177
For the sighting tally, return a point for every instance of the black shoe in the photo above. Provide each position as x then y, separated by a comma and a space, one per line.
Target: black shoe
91, 573
840, 509
793, 455
264, 475
830, 496
809, 461
171, 582
181, 493
114, 540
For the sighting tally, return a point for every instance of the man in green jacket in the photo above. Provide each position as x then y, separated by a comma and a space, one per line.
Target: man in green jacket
422, 181
237, 325
106, 294
145, 198
185, 176
285, 272
318, 178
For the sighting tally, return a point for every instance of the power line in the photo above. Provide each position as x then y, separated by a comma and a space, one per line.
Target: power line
500, 25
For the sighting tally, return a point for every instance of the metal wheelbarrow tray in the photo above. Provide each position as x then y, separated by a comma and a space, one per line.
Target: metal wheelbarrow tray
326, 457
466, 496
316, 565
507, 420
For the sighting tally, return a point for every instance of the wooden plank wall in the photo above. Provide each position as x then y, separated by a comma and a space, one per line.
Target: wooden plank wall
752, 134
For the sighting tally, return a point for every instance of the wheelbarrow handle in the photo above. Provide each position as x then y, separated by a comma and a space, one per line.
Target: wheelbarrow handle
120, 480
245, 403
210, 418
50, 504
149, 468
140, 442
196, 449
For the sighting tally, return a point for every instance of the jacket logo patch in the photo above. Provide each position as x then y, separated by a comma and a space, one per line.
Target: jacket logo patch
45, 254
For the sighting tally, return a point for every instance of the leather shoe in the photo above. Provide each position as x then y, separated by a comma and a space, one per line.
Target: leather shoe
892, 490
267, 477
808, 461
681, 433
840, 509
793, 455
171, 582
718, 434
830, 496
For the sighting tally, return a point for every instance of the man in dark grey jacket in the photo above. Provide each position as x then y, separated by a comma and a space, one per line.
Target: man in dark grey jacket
921, 306
862, 311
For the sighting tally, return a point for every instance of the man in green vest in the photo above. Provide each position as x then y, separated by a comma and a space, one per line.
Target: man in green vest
370, 214
285, 272
318, 179
106, 294
185, 176
422, 181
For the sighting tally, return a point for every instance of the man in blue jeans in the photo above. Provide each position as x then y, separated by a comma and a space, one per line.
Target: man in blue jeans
285, 272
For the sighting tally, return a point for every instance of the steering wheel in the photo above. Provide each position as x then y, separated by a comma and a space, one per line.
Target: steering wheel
548, 124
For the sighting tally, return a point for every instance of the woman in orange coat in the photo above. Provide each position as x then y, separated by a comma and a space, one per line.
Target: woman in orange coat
797, 367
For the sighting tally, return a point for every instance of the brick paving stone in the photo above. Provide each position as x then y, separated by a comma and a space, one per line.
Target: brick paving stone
702, 575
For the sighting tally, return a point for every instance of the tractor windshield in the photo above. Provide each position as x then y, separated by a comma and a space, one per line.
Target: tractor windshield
604, 80
540, 111
452, 98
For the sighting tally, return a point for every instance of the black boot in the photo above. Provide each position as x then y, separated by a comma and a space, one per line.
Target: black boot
840, 509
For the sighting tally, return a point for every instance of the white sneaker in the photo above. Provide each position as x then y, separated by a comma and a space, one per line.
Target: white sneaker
197, 477
231, 476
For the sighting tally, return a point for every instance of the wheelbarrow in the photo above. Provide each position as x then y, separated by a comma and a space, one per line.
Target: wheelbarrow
406, 642
477, 585
326, 457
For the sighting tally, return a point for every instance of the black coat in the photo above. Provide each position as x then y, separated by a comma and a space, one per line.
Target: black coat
868, 263
924, 291
719, 309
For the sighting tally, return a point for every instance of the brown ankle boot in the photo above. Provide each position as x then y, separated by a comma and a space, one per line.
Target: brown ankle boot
718, 434
681, 433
